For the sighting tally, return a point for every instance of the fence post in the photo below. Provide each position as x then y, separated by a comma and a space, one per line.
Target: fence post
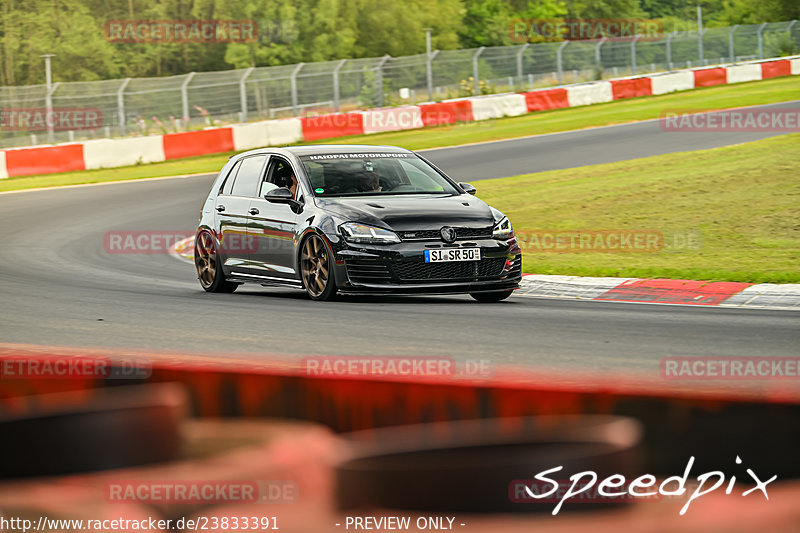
633, 53
294, 87
121, 105
559, 64
185, 96
761, 40
379, 76
519, 59
428, 63
338, 66
789, 29
475, 69
701, 54
731, 52
49, 105
433, 94
243, 93
597, 59
669, 49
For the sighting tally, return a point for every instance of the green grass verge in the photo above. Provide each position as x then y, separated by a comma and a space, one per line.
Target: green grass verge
753, 93
739, 206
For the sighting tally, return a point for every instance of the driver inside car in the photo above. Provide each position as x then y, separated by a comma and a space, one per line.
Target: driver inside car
369, 182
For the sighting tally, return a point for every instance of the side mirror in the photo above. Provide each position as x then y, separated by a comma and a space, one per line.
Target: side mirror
469, 189
281, 195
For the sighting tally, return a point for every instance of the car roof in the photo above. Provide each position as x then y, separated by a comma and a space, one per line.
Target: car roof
324, 149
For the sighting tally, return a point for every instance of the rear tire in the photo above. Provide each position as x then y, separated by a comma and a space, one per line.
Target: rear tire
489, 297
316, 268
209, 268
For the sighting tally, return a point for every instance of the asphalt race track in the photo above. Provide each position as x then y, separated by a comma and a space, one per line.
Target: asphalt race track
58, 286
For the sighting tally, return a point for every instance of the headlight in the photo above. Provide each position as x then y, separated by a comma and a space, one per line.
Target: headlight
503, 230
361, 233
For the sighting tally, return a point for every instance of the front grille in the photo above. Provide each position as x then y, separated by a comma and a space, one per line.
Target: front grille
368, 271
455, 270
435, 235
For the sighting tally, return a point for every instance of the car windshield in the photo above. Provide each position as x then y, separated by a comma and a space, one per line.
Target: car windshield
362, 174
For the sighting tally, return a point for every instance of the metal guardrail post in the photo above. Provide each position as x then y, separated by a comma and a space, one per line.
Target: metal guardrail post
336, 69
475, 72
379, 76
559, 62
633, 53
185, 95
761, 40
519, 59
293, 81
121, 105
731, 53
243, 93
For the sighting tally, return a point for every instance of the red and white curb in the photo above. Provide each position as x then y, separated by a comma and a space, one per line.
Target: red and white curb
663, 291
656, 291
183, 250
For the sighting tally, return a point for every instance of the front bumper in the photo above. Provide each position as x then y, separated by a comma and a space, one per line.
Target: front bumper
401, 268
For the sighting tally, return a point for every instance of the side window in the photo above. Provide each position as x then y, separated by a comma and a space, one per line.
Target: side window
248, 176
227, 185
279, 174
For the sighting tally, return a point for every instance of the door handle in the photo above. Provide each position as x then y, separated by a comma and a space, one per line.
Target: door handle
220, 208
253, 211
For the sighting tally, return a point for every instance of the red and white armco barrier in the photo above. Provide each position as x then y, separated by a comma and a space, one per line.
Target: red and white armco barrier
120, 152
392, 119
498, 106
672, 82
107, 153
740, 73
597, 92
266, 133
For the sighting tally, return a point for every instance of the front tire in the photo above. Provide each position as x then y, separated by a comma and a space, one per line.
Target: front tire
490, 297
316, 269
209, 267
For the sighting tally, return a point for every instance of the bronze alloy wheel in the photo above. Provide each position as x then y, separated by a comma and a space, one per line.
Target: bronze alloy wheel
316, 269
209, 270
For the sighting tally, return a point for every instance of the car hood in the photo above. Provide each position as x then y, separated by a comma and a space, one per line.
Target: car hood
412, 212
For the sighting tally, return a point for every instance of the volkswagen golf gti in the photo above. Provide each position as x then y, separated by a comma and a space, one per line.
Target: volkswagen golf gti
347, 219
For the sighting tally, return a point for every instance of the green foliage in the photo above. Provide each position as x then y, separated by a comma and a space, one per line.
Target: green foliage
292, 31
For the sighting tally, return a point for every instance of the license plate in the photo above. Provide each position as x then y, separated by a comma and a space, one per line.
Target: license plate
452, 254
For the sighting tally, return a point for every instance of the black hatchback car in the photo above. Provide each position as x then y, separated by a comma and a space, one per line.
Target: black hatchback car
352, 219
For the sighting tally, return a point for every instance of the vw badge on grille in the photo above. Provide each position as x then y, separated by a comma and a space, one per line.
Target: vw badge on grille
448, 234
